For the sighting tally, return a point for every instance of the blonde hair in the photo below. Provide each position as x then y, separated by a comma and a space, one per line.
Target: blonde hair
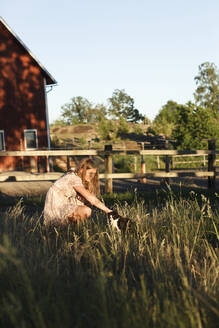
84, 165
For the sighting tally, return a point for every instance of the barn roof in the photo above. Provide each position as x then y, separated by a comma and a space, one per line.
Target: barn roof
49, 79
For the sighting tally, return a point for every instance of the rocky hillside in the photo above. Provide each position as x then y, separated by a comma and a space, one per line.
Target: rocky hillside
87, 136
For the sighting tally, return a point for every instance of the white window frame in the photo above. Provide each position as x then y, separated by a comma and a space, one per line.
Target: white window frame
3, 134
25, 141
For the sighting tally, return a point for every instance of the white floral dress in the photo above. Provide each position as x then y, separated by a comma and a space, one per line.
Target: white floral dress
62, 199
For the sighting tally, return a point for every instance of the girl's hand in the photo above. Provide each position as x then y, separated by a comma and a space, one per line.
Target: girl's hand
91, 198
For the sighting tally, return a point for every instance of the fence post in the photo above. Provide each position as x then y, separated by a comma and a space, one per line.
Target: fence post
68, 162
22, 157
34, 164
158, 162
204, 160
51, 161
135, 164
108, 168
167, 162
143, 165
173, 162
212, 163
47, 164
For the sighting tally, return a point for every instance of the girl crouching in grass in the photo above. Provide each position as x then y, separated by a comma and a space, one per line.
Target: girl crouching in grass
71, 197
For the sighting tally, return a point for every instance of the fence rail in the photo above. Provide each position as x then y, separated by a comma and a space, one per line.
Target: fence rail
108, 152
203, 160
54, 176
94, 152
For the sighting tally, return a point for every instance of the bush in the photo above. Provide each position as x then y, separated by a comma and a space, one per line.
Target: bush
123, 127
138, 129
123, 164
107, 130
83, 142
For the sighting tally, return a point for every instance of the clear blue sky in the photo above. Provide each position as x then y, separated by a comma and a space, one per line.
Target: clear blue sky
152, 49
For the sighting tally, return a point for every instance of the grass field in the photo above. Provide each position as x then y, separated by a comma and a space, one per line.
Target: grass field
165, 274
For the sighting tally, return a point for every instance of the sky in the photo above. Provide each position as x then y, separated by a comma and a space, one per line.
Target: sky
151, 49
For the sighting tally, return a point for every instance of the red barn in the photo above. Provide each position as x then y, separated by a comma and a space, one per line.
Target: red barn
24, 121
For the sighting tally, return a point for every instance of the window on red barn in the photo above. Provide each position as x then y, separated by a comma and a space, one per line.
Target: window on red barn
30, 139
2, 140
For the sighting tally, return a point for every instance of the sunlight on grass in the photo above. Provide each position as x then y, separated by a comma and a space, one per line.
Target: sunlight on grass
165, 274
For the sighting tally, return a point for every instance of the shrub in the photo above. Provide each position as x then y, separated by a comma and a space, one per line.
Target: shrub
123, 164
107, 130
138, 129
82, 142
123, 127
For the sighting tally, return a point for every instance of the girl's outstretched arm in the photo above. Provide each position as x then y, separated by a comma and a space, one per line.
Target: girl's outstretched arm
92, 199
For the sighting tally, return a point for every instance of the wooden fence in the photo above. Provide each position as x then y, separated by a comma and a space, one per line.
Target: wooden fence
203, 160
108, 152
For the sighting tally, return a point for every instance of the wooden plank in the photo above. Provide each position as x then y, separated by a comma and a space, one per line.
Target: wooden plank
178, 152
167, 162
212, 164
162, 174
188, 155
93, 152
51, 153
30, 177
55, 176
108, 169
188, 162
77, 152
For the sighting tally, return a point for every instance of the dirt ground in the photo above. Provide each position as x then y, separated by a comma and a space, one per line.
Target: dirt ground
13, 188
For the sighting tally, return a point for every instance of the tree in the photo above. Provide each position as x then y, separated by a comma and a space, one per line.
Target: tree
207, 91
77, 111
193, 126
122, 105
80, 110
99, 113
164, 122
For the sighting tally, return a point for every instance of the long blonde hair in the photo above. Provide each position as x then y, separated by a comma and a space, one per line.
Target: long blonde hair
84, 165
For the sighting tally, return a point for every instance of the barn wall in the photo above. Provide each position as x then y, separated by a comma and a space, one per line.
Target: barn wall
22, 97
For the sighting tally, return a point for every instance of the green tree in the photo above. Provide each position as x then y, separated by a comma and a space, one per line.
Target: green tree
123, 127
207, 92
80, 110
121, 105
193, 126
99, 113
76, 111
164, 122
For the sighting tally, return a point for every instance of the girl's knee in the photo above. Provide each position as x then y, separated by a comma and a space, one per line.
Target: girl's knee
81, 213
87, 211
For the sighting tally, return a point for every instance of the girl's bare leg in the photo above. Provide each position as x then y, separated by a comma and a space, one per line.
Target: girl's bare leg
81, 213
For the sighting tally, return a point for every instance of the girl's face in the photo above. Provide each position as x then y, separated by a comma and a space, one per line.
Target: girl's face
89, 175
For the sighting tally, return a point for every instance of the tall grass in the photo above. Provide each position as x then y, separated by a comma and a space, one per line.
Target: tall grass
165, 274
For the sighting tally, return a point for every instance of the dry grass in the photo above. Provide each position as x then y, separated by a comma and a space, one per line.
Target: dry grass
165, 274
